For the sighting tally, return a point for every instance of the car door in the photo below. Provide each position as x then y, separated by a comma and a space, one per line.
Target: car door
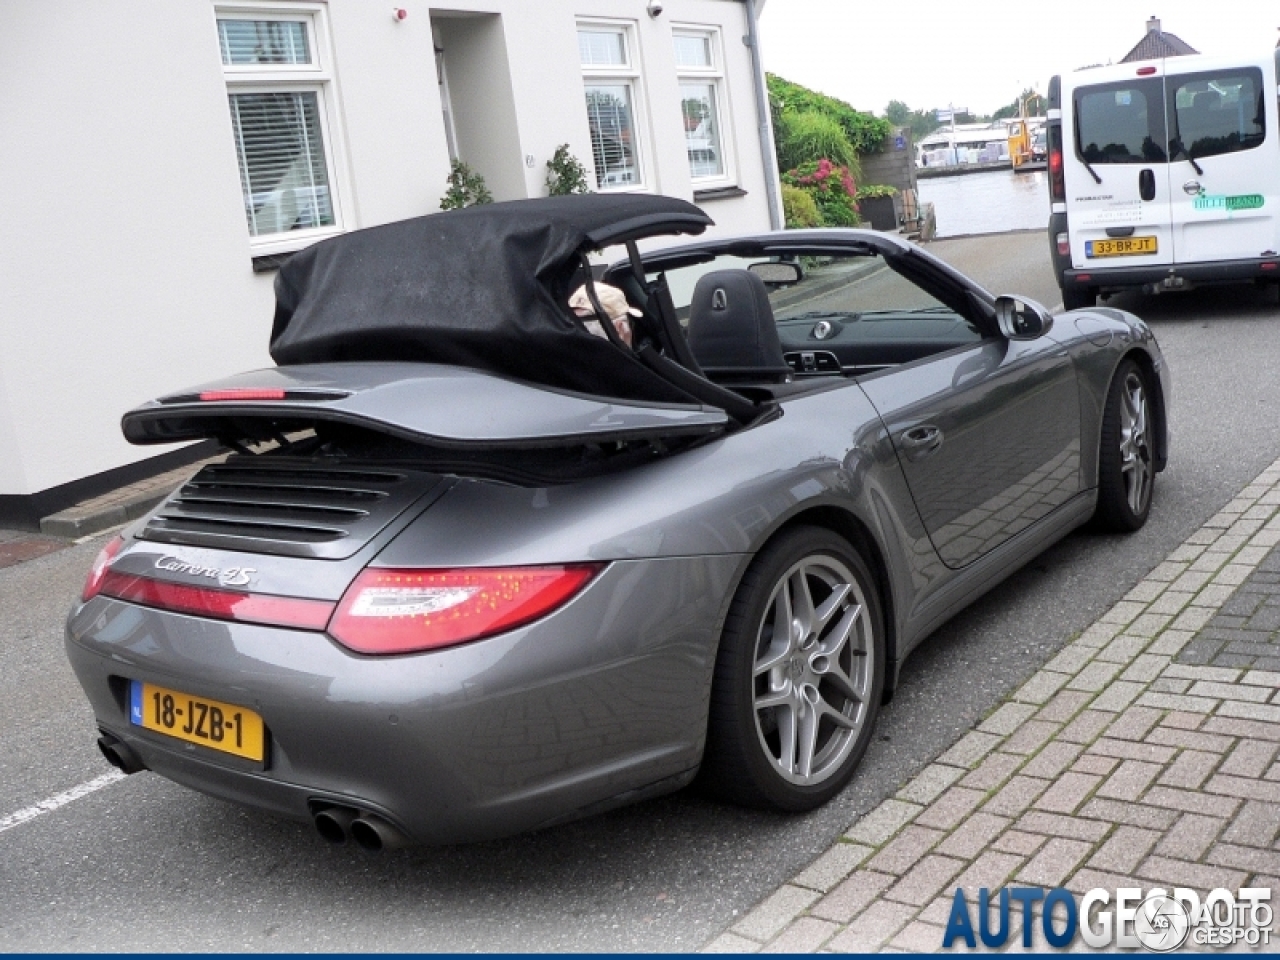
1117, 173
1225, 209
987, 435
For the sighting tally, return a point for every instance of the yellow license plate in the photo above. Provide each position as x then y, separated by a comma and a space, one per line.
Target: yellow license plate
210, 723
1124, 247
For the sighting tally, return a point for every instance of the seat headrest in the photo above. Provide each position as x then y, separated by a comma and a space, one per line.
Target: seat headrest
1206, 100
732, 332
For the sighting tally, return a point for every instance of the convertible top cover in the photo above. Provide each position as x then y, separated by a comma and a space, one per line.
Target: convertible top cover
485, 287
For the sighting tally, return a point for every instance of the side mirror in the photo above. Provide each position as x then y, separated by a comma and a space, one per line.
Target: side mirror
777, 273
1022, 319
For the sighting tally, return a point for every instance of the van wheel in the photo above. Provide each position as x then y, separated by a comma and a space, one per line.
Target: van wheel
1126, 467
1079, 298
799, 675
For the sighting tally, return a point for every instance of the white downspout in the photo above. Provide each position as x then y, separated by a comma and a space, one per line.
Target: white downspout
768, 157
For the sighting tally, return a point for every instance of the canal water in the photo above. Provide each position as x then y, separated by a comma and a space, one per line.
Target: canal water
990, 202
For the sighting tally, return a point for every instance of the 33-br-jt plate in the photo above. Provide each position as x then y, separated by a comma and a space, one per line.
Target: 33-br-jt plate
1122, 247
210, 723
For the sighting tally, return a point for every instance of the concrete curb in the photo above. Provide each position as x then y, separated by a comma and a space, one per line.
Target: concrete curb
119, 506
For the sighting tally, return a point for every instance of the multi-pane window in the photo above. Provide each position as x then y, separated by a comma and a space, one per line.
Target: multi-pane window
612, 81
701, 102
276, 87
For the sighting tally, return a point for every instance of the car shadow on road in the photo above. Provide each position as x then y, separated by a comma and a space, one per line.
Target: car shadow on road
1260, 302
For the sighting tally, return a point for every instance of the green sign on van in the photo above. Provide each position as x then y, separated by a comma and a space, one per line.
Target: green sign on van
1217, 201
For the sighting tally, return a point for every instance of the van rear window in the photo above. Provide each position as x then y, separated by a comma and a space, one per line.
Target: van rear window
1218, 113
1121, 122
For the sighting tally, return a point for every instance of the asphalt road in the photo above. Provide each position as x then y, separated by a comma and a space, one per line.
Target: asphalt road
143, 864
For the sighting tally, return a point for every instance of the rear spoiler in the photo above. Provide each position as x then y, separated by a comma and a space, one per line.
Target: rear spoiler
435, 405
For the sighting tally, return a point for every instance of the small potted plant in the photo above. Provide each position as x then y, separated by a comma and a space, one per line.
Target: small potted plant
566, 174
875, 203
466, 188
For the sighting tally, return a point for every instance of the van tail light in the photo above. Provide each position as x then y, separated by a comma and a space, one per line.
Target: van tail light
1057, 180
387, 611
101, 563
1064, 244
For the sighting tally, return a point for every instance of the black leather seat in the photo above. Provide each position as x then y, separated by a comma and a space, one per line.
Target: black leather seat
732, 333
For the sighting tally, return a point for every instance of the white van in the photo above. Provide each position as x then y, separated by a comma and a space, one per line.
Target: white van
1164, 174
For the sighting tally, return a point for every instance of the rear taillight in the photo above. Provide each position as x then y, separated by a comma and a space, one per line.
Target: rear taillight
1057, 182
403, 611
1064, 244
296, 612
101, 563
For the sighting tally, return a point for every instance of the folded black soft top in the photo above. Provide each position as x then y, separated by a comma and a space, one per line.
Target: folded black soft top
485, 287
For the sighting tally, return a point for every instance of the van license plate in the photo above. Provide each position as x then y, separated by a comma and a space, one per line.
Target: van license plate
1125, 247
210, 723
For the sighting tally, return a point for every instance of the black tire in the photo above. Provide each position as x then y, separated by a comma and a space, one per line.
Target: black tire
745, 756
1079, 298
1126, 461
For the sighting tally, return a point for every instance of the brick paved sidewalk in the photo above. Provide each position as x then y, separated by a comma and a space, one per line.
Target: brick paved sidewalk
1143, 755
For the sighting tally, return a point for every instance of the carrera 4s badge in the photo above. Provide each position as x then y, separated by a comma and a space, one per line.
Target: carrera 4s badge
230, 577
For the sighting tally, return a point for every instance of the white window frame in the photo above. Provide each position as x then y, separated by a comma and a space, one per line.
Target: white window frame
714, 75
315, 77
632, 76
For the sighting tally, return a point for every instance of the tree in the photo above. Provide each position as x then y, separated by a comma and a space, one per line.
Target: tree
1036, 106
920, 122
898, 113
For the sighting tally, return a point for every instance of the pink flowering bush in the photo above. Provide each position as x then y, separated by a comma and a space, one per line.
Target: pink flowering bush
833, 190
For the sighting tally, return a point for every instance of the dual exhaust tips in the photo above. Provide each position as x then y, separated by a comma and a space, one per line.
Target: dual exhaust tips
335, 824
368, 832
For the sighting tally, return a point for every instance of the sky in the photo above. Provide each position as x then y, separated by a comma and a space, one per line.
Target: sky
980, 54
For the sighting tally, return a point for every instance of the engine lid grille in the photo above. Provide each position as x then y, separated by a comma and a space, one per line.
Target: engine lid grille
288, 507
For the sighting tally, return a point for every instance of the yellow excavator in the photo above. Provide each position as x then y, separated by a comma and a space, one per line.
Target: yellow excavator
1024, 151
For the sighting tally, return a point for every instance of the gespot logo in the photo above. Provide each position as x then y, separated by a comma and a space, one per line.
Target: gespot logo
1158, 920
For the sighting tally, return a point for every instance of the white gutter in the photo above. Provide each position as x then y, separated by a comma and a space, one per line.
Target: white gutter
768, 157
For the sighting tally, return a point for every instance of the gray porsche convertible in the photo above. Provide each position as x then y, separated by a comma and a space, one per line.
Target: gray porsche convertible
471, 568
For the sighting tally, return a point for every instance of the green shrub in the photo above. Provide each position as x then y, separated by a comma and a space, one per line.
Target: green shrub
799, 208
864, 131
832, 188
808, 137
566, 174
872, 190
466, 188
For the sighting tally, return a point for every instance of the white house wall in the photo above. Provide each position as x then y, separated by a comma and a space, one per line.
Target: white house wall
126, 267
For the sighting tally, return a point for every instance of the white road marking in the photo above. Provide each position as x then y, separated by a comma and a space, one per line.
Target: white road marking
59, 800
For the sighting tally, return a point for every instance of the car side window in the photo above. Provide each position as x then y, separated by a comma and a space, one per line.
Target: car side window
852, 285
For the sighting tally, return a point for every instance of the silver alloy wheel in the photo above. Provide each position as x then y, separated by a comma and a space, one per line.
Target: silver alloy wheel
1135, 451
813, 670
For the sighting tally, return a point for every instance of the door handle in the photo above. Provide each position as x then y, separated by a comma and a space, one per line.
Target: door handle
1191, 187
1147, 184
919, 442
